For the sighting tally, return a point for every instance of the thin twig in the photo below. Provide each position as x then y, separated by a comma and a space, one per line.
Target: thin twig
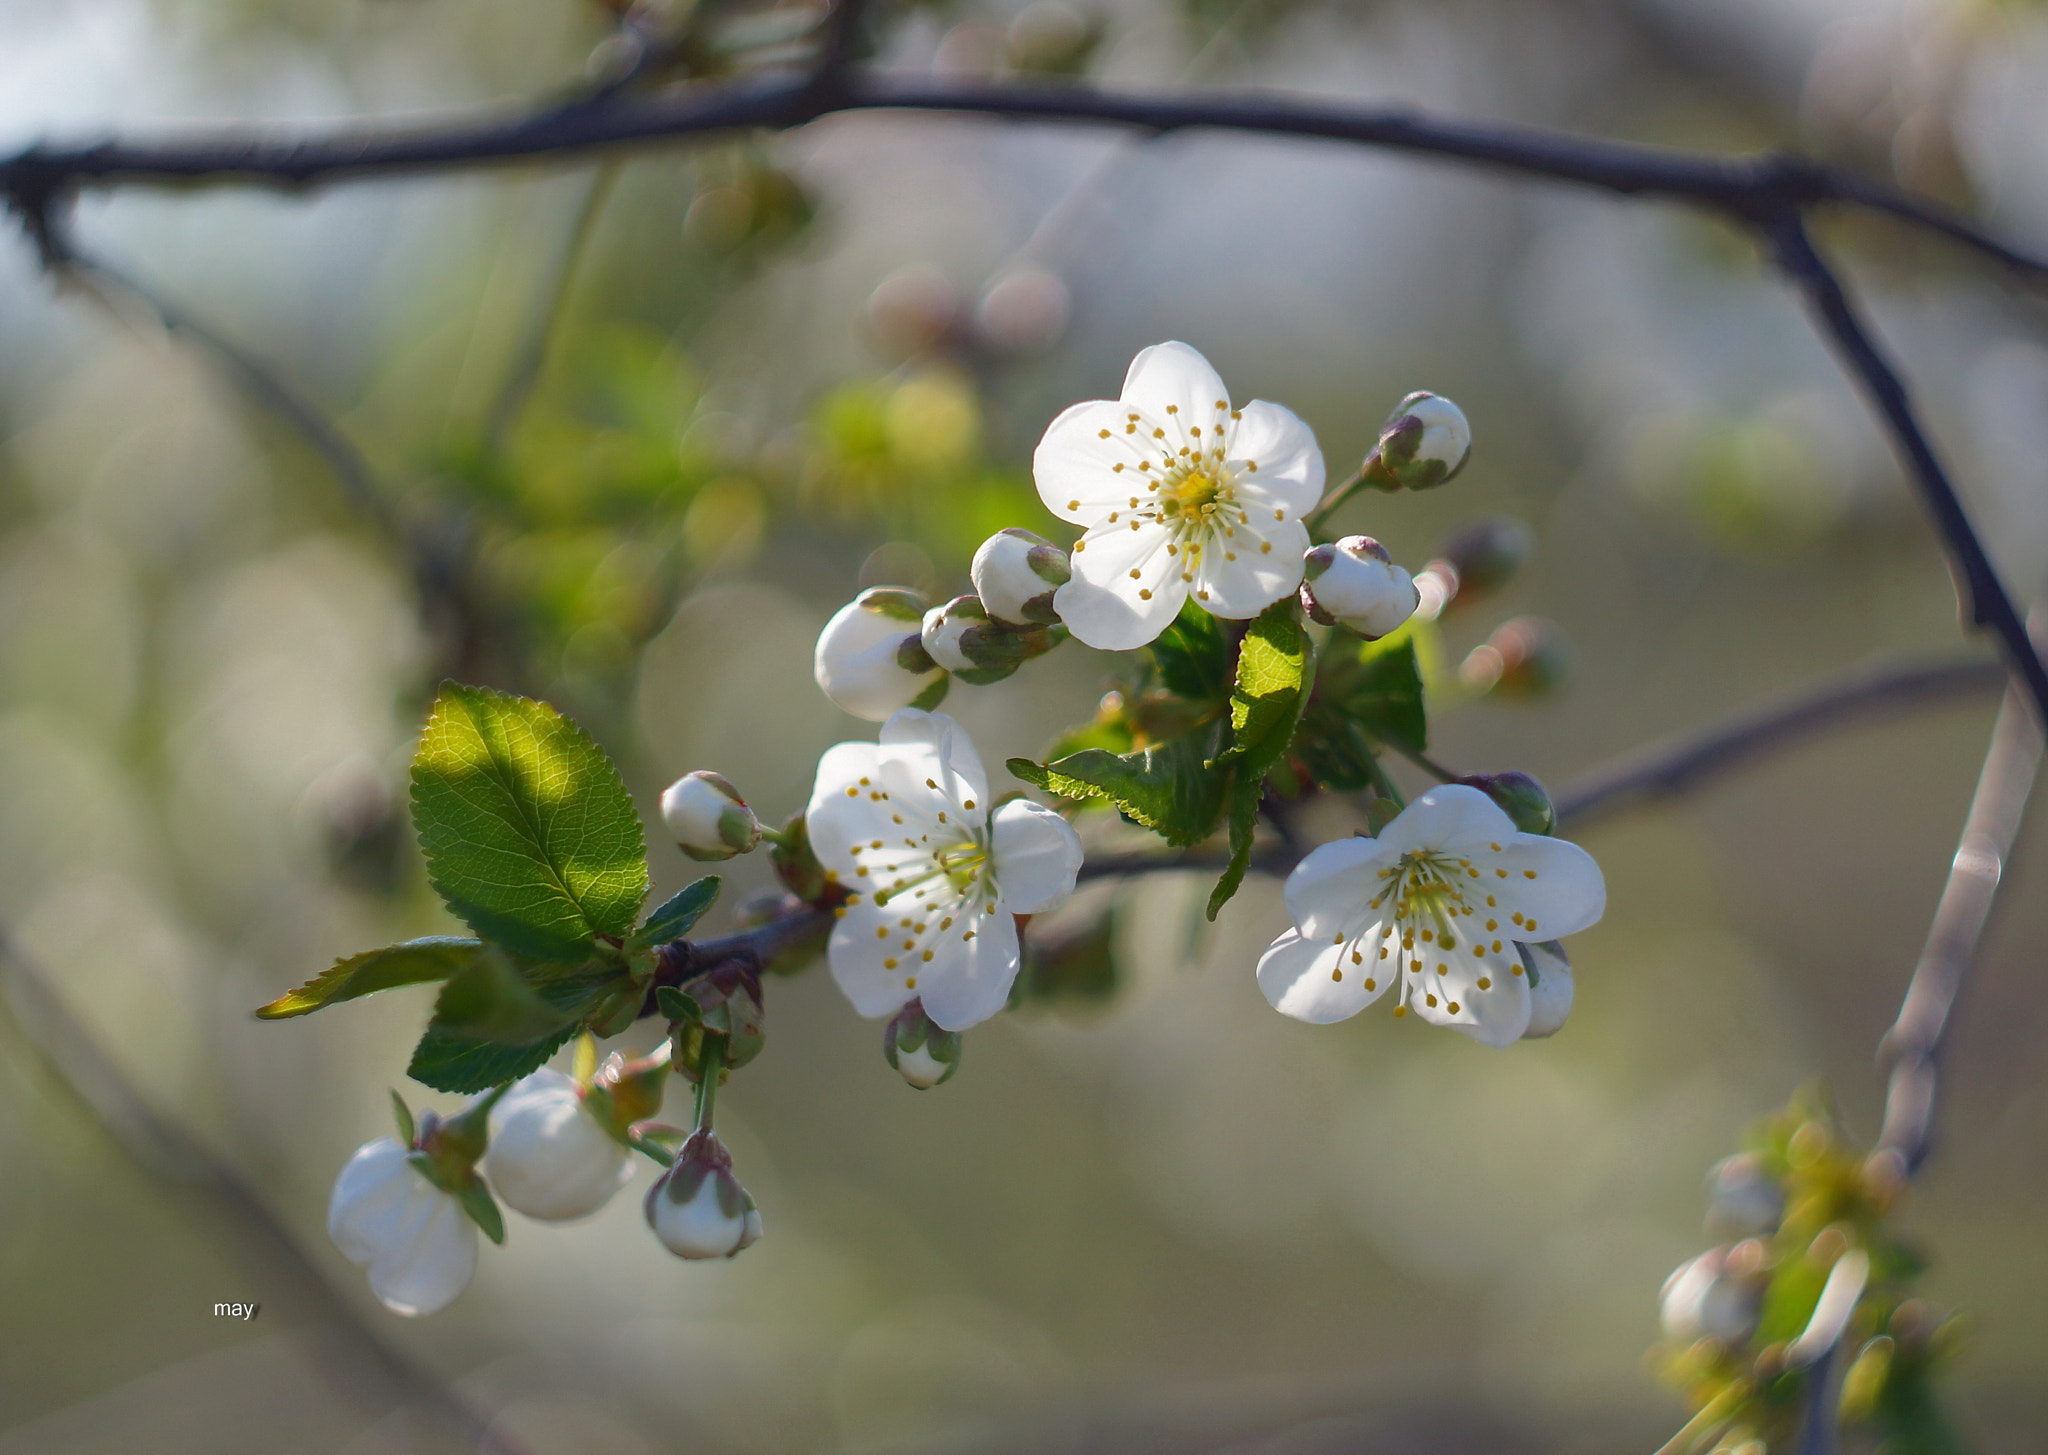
1984, 597
167, 1152
1678, 765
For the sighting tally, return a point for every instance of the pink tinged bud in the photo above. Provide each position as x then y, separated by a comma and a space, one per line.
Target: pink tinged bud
1550, 988
1711, 1298
1525, 658
1743, 1199
698, 1208
1482, 558
1015, 574
1354, 583
1024, 312
709, 819
549, 1158
1423, 444
923, 1053
415, 1240
870, 660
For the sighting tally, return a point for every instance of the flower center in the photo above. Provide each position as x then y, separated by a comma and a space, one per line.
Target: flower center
1191, 497
963, 864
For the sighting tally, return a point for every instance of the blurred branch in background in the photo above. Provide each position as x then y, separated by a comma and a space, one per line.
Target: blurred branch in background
364, 1367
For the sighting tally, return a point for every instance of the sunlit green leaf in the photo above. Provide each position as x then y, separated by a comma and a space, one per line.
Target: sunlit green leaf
527, 828
416, 962
1192, 657
1169, 788
678, 914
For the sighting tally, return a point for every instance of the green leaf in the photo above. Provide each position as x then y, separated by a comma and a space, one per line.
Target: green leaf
1192, 657
488, 999
678, 1006
408, 1132
449, 1058
476, 1200
416, 962
1245, 793
1169, 788
527, 828
1272, 665
1362, 699
677, 915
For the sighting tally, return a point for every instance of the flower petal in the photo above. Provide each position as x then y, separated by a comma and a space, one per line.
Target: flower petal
977, 986
1553, 884
1242, 579
1118, 619
1315, 981
1452, 816
1037, 854
1173, 383
840, 813
426, 1272
1445, 990
926, 752
1290, 462
1075, 465
856, 952
370, 1197
1331, 889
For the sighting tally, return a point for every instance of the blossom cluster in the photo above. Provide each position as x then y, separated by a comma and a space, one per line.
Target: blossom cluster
1263, 662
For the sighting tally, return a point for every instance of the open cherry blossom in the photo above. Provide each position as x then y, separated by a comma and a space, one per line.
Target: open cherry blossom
1437, 904
937, 872
1178, 493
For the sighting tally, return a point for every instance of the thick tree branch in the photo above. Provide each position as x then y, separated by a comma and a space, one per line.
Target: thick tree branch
1746, 187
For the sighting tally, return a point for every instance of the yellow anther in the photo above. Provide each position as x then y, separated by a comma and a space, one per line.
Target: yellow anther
1485, 983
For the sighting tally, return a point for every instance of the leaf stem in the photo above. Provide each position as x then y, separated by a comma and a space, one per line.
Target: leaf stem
1330, 502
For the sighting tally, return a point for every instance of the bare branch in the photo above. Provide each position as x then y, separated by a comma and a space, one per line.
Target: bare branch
258, 1237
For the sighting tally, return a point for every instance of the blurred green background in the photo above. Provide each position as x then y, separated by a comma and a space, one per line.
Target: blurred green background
780, 368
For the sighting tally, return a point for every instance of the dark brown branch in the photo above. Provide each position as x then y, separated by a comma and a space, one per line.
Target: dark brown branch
1984, 597
1747, 187
1681, 764
218, 1191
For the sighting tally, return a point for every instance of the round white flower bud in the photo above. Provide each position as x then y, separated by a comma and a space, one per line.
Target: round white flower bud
708, 817
1706, 1299
1446, 433
945, 626
922, 1069
1550, 988
923, 1052
548, 1156
415, 1240
698, 1208
1356, 583
869, 659
1015, 574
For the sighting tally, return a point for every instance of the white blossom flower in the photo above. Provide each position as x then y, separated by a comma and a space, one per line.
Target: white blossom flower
708, 817
937, 872
1178, 493
869, 659
1015, 574
698, 1208
417, 1242
1356, 582
1436, 904
548, 1157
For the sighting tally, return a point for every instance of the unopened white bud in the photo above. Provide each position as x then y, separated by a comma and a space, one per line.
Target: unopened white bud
708, 817
923, 1052
1015, 574
415, 1240
869, 659
1355, 583
1743, 1200
1550, 988
945, 628
1446, 433
1423, 443
549, 1158
698, 1209
1705, 1298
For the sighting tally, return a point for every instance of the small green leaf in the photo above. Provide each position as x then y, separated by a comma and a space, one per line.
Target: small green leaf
1192, 657
476, 1200
416, 962
677, 915
527, 828
1245, 793
408, 1132
489, 1000
678, 1006
449, 1061
1272, 665
1169, 788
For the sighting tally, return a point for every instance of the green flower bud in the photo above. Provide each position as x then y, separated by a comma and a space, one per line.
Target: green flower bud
1521, 797
708, 817
924, 1054
1424, 443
